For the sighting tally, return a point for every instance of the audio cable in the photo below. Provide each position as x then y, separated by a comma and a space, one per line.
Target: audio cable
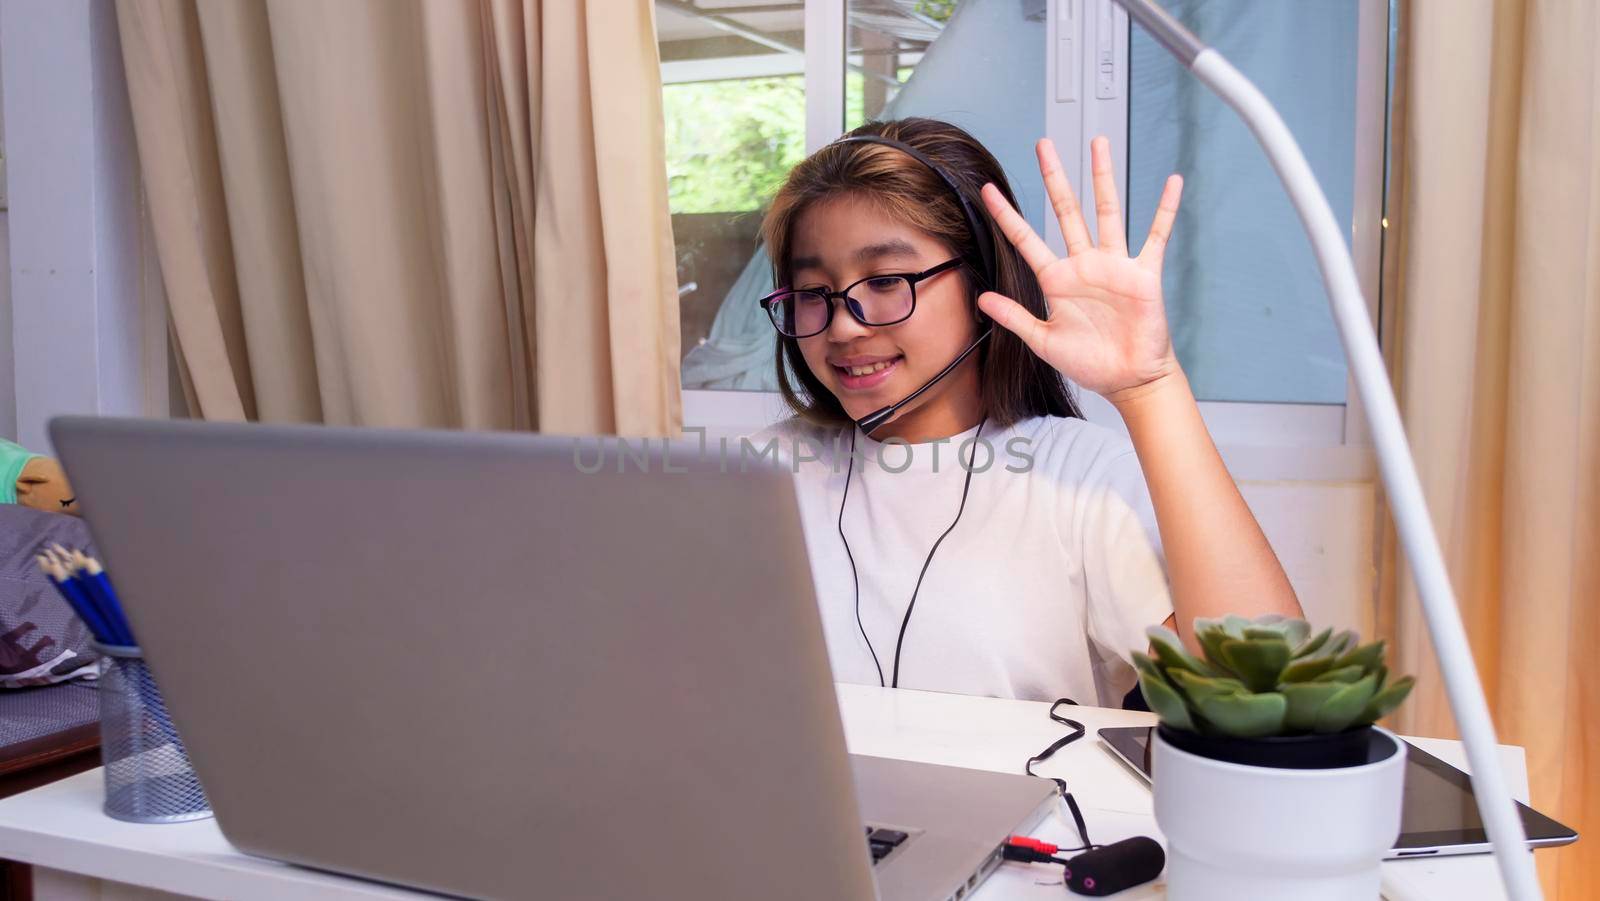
855, 577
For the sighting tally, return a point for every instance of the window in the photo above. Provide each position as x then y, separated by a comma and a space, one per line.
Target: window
733, 97
976, 63
1249, 317
885, 42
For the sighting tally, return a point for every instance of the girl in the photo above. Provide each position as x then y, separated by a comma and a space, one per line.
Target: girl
985, 539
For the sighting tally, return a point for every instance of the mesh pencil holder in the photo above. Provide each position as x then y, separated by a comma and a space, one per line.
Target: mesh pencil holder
148, 775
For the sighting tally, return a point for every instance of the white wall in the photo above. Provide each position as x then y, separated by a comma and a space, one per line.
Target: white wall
76, 336
8, 381
1323, 533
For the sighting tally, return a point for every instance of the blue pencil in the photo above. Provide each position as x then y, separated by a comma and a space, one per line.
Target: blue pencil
72, 593
93, 575
72, 562
76, 564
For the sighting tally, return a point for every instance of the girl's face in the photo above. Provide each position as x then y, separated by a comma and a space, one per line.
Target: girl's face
844, 239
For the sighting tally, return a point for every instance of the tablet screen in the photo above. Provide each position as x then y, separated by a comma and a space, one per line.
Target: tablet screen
1434, 803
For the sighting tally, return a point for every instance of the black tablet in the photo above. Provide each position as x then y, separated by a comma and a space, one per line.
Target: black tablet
1439, 814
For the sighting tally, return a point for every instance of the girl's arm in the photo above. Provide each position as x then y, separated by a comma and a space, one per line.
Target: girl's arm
1107, 331
1218, 560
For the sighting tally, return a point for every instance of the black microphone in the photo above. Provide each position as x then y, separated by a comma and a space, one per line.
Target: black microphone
875, 420
1111, 868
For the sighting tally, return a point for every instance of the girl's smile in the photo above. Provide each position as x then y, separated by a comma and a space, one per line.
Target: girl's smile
863, 372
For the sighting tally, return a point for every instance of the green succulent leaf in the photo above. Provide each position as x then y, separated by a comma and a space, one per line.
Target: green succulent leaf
1305, 700
1367, 656
1387, 699
1311, 647
1305, 669
1342, 711
1170, 653
1145, 664
1266, 676
1340, 643
1148, 667
1166, 702
1295, 632
1343, 674
1274, 625
1245, 715
1234, 625
1197, 687
1211, 635
1257, 663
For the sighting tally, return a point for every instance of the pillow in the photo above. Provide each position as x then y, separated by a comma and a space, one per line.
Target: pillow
41, 638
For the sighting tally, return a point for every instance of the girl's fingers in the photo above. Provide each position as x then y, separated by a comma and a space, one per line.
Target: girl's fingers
1155, 244
1015, 318
1108, 214
1016, 229
1069, 213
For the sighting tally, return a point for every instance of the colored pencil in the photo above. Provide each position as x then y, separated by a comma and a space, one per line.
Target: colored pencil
98, 584
72, 593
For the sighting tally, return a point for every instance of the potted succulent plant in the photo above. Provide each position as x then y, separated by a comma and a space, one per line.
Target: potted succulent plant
1270, 779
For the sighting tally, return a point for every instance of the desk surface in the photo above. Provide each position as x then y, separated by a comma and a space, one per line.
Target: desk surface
60, 826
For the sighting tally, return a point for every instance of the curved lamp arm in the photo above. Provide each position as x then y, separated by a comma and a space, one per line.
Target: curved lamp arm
1399, 471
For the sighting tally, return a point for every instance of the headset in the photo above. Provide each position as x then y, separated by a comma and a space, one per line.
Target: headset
983, 237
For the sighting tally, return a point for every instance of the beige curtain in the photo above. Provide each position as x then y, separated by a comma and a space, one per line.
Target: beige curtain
444, 213
1493, 318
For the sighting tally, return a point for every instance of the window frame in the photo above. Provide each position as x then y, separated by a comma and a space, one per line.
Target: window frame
1331, 440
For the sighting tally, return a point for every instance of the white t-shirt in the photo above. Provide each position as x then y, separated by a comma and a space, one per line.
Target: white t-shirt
1043, 588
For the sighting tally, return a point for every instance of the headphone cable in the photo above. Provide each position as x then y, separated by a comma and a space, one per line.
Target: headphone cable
855, 576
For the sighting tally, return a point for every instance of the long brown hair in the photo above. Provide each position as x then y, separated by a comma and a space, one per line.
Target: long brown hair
1015, 383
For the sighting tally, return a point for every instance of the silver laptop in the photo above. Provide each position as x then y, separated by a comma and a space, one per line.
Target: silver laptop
465, 663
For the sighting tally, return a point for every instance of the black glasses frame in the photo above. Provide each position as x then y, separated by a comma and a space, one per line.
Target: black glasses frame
912, 278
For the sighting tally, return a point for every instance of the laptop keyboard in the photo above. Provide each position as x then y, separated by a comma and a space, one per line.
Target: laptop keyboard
882, 842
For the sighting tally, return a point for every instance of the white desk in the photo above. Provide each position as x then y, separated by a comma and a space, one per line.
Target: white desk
79, 853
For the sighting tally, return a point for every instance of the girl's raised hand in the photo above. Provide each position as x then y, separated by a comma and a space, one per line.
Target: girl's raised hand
1107, 329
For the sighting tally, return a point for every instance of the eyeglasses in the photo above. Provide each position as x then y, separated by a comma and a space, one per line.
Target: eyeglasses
876, 300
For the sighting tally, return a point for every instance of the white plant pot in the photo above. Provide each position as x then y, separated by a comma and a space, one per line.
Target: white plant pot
1246, 832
